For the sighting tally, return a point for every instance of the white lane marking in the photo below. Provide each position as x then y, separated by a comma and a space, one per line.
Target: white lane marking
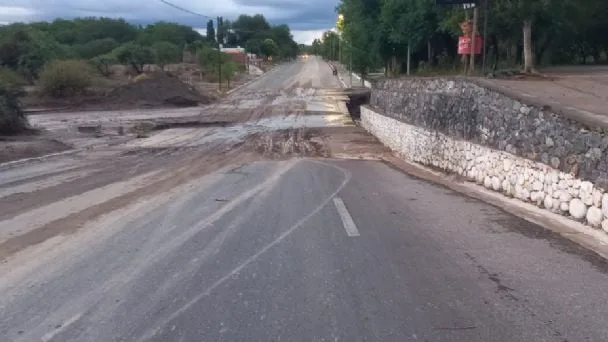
207, 292
50, 335
347, 220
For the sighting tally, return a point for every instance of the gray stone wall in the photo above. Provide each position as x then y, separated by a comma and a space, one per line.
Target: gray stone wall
463, 110
514, 176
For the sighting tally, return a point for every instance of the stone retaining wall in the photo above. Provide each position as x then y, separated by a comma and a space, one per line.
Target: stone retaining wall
461, 109
513, 175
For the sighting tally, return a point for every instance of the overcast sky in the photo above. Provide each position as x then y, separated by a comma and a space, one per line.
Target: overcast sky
307, 18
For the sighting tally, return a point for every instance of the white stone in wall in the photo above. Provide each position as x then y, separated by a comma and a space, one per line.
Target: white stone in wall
507, 164
506, 187
537, 197
587, 198
577, 209
487, 182
537, 186
597, 198
565, 197
548, 202
496, 183
605, 225
556, 205
574, 192
480, 177
594, 216
525, 194
564, 206
605, 204
586, 187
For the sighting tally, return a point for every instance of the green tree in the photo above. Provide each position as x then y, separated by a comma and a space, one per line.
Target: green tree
211, 32
96, 47
269, 48
166, 53
168, 32
135, 55
103, 63
361, 24
246, 27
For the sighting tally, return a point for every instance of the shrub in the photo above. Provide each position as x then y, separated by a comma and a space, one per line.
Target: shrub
12, 119
166, 53
134, 55
65, 78
103, 63
11, 79
96, 47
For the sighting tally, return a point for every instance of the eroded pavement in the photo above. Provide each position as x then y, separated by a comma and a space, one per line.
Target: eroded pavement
120, 157
255, 219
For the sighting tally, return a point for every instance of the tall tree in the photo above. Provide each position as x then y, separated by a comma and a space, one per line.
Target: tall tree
211, 32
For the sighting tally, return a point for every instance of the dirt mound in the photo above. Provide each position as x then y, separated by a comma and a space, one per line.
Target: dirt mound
157, 90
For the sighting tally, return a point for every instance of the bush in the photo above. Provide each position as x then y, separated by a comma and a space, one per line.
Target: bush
166, 53
96, 47
11, 79
12, 119
103, 63
134, 55
65, 78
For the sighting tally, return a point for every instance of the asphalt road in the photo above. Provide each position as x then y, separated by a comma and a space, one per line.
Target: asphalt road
304, 249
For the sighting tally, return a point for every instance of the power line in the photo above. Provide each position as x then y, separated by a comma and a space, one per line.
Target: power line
237, 30
183, 9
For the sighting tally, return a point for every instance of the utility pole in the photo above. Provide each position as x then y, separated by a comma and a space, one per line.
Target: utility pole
473, 38
219, 51
465, 57
485, 35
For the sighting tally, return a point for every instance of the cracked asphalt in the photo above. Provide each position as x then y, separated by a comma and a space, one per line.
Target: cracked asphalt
280, 224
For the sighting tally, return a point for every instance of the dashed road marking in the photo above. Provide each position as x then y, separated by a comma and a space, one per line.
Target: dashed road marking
347, 220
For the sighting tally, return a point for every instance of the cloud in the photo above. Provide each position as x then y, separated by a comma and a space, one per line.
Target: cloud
306, 17
306, 37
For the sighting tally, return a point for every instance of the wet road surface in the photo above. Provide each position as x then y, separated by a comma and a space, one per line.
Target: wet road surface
152, 243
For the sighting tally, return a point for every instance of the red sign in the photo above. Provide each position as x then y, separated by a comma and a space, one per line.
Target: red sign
464, 45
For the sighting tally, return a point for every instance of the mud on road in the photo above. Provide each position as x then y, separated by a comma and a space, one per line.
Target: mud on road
117, 163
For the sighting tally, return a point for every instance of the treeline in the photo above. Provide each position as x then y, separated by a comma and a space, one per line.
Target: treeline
257, 36
376, 34
63, 56
26, 48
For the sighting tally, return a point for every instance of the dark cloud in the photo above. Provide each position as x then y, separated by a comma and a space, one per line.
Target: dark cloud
301, 15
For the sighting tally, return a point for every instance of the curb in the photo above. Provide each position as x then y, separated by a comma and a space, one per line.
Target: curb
584, 236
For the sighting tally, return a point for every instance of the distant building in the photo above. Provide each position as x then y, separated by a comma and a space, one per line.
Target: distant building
238, 54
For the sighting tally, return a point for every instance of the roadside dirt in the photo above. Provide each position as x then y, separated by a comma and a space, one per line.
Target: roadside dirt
28, 146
